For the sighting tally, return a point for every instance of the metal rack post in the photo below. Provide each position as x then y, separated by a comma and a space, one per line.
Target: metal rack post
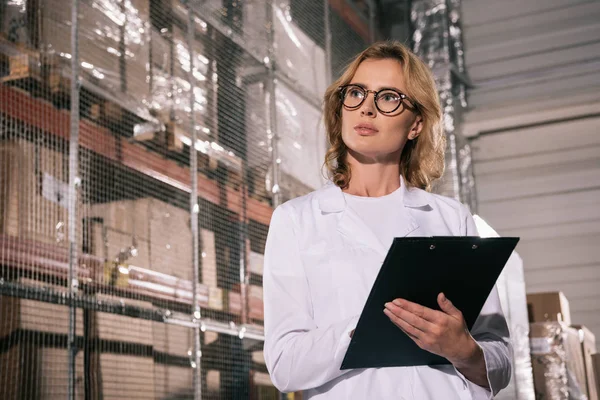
272, 107
194, 212
74, 183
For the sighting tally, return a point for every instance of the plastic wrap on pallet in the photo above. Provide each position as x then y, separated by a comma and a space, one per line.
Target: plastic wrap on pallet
557, 360
256, 126
245, 22
161, 84
437, 39
301, 142
114, 38
301, 138
182, 84
170, 80
15, 22
297, 55
511, 289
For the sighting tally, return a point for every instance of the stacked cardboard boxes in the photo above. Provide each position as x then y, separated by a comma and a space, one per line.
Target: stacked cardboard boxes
114, 42
35, 364
588, 348
562, 355
557, 360
33, 192
172, 342
550, 306
122, 362
301, 138
160, 233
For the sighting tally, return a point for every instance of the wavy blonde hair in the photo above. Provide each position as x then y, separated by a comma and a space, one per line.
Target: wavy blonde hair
422, 160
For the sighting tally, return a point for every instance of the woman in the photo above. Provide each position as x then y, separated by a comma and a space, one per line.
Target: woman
324, 249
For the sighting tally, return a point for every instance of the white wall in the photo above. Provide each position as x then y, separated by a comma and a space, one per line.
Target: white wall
535, 125
527, 49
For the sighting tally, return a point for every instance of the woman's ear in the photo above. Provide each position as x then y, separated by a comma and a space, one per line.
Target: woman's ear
416, 127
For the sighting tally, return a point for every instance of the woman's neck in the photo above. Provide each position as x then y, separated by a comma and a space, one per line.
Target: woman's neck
373, 180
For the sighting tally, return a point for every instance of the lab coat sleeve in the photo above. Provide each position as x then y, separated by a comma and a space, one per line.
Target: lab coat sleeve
491, 333
299, 354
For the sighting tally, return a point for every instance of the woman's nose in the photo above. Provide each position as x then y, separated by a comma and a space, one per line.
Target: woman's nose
368, 106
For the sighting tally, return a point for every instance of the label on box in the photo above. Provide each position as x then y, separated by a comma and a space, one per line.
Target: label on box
55, 190
215, 298
540, 346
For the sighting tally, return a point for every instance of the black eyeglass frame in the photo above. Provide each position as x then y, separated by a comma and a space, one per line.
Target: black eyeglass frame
412, 107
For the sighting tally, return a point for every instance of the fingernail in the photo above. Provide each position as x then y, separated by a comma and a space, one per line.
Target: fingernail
398, 303
444, 297
387, 305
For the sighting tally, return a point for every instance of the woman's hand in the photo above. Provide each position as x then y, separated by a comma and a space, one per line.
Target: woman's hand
444, 333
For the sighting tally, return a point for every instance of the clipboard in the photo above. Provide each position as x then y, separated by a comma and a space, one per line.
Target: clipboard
464, 268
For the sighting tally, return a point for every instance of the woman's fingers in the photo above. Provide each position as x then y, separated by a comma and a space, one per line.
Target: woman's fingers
424, 312
411, 318
410, 330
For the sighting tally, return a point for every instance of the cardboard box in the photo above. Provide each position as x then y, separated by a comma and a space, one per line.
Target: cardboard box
213, 380
173, 381
36, 316
588, 348
596, 369
107, 242
172, 339
29, 371
209, 258
34, 192
124, 376
550, 306
258, 357
557, 361
255, 302
256, 263
163, 228
24, 324
122, 328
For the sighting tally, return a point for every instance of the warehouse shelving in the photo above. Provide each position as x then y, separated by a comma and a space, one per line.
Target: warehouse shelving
144, 294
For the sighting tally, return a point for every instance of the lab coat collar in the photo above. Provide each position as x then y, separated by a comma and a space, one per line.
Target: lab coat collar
350, 224
332, 198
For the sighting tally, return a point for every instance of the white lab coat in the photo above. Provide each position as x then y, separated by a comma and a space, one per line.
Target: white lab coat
320, 263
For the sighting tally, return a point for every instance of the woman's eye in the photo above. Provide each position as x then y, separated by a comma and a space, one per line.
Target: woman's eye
355, 93
390, 97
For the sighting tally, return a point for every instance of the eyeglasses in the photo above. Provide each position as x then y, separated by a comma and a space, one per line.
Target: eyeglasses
386, 100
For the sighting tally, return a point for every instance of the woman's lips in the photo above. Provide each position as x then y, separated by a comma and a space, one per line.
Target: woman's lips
365, 129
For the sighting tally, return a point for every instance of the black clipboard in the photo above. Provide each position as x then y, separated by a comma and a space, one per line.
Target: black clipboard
417, 269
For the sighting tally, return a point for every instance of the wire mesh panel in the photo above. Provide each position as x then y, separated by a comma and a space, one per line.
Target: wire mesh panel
143, 146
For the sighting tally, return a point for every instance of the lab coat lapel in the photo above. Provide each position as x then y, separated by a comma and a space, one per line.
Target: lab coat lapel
353, 228
357, 232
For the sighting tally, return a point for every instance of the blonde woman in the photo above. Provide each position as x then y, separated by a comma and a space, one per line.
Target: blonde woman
324, 249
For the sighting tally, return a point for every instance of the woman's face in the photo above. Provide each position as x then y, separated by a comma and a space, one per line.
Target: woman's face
371, 136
